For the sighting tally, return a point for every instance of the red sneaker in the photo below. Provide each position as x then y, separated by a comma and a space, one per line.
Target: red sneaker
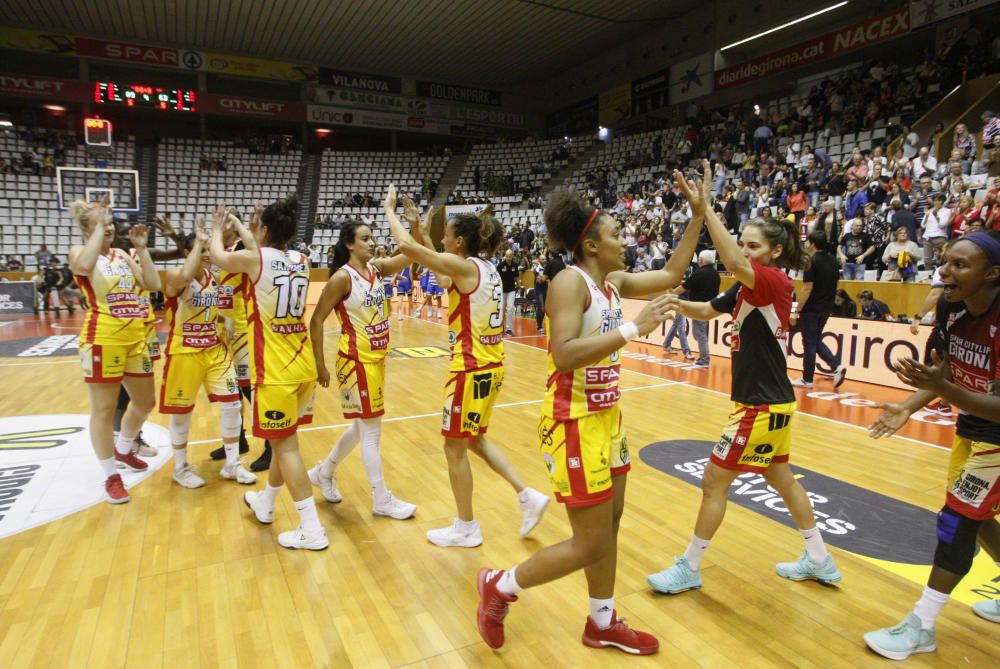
621, 636
115, 491
492, 607
131, 461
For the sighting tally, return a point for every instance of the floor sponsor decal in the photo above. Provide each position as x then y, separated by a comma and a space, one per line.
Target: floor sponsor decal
63, 345
48, 469
419, 352
891, 534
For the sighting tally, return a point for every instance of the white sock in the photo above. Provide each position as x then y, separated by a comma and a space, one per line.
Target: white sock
271, 494
467, 525
814, 544
929, 607
124, 444
508, 584
180, 458
371, 433
695, 551
108, 465
601, 611
524, 496
308, 516
341, 449
232, 453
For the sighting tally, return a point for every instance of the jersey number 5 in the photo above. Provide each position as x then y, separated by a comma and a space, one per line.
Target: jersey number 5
291, 296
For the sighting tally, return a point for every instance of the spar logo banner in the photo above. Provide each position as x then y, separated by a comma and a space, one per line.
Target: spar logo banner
48, 469
856, 36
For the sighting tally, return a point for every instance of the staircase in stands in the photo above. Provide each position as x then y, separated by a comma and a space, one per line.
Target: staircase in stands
450, 178
146, 160
559, 178
308, 189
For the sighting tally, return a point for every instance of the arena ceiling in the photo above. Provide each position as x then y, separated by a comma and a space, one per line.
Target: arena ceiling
492, 43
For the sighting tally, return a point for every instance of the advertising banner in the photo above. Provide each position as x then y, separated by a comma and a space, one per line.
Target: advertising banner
692, 78
925, 12
867, 348
17, 297
650, 93
387, 102
243, 66
615, 104
128, 52
468, 94
252, 107
363, 118
486, 116
856, 36
360, 81
30, 86
20, 39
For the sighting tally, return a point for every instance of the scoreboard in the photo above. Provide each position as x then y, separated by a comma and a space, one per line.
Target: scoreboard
144, 96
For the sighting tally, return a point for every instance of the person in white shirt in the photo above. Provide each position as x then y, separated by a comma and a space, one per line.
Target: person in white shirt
924, 162
911, 142
935, 228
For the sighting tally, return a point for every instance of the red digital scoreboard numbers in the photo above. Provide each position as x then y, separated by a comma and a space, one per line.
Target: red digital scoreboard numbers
97, 132
144, 96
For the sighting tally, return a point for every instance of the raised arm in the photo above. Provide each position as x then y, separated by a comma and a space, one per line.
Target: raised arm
147, 276
334, 292
162, 223
245, 261
179, 278
83, 258
447, 264
247, 236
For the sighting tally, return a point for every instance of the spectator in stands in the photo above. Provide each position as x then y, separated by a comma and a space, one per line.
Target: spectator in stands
814, 177
911, 142
871, 308
315, 255
701, 286
762, 138
901, 217
540, 291
836, 185
508, 269
843, 305
643, 262
14, 264
923, 163
829, 221
921, 197
935, 229
878, 230
991, 128
816, 301
43, 256
854, 250
953, 175
965, 144
901, 257
855, 199
796, 202
858, 170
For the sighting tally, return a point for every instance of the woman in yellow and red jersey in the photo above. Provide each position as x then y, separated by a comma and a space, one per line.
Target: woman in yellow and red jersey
582, 440
476, 374
197, 357
356, 290
113, 347
282, 367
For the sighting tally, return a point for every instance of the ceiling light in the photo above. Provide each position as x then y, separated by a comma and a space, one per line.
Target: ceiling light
785, 25
54, 108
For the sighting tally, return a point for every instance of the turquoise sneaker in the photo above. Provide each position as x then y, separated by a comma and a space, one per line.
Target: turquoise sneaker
804, 568
675, 579
903, 640
989, 609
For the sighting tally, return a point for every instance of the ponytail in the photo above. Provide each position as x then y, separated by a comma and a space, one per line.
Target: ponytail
787, 234
342, 254
482, 232
569, 220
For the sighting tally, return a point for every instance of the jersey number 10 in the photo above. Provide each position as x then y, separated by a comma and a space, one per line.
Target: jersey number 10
291, 296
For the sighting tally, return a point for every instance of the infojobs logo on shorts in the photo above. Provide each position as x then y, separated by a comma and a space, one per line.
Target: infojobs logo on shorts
48, 469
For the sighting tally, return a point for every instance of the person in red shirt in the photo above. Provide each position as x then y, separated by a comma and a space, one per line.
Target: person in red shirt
797, 202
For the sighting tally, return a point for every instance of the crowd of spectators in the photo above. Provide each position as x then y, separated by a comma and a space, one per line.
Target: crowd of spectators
46, 151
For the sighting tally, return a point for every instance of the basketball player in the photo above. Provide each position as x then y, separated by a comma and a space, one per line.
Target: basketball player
966, 374
197, 357
112, 341
381, 253
404, 286
758, 436
476, 373
232, 303
356, 291
282, 367
431, 288
582, 441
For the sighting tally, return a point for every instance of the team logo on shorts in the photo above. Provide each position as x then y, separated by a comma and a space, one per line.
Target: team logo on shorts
550, 464
623, 454
445, 418
274, 415
721, 449
452, 337
481, 384
147, 365
346, 394
231, 385
574, 463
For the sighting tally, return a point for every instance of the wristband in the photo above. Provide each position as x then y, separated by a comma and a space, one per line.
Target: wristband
629, 331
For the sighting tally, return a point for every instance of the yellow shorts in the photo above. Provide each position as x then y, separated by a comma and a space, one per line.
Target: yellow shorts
756, 437
279, 409
361, 387
107, 363
583, 455
241, 358
468, 402
185, 373
153, 342
974, 478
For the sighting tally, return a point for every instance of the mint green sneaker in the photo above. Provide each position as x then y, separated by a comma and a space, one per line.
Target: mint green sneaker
804, 568
989, 609
903, 640
675, 579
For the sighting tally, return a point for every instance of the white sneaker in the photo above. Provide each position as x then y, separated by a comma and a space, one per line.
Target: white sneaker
394, 508
238, 473
313, 540
255, 502
988, 610
801, 383
188, 477
457, 534
326, 484
533, 509
839, 375
416, 314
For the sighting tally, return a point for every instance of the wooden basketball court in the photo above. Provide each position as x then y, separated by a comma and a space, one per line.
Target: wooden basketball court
187, 578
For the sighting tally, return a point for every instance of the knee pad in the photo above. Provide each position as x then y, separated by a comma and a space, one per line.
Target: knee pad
180, 425
123, 398
231, 420
956, 541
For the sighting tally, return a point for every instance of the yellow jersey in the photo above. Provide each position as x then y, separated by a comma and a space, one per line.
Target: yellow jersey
193, 317
143, 295
232, 296
114, 316
364, 323
276, 305
475, 322
594, 388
